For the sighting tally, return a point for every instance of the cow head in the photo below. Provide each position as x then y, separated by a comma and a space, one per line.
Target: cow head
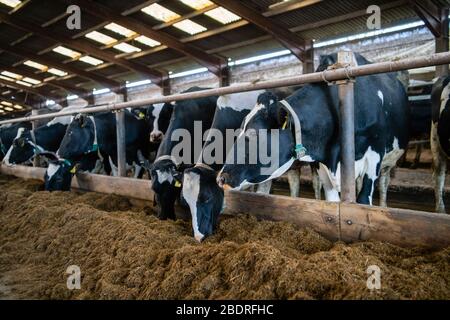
205, 199
246, 165
80, 138
58, 175
166, 184
23, 148
158, 117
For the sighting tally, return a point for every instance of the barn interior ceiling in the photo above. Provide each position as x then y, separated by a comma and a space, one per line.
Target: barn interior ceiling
135, 40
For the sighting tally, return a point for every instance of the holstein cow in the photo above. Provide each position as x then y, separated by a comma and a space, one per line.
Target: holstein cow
312, 134
58, 176
8, 133
440, 137
97, 133
200, 190
30, 143
167, 170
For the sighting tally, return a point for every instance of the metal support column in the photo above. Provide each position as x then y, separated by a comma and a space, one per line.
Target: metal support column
347, 130
121, 148
442, 42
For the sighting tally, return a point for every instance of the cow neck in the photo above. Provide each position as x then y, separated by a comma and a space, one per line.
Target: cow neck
2, 147
299, 149
166, 157
203, 165
95, 143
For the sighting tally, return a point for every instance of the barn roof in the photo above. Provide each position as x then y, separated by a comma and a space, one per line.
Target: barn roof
120, 41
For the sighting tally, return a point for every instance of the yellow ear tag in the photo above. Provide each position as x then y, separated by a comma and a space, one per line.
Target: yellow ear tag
141, 115
177, 184
285, 124
74, 170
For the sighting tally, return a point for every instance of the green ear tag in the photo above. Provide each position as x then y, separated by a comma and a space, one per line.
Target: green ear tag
177, 184
74, 170
141, 115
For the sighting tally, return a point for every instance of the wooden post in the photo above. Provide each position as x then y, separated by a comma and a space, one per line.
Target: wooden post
166, 90
347, 131
121, 148
308, 58
224, 78
34, 126
442, 42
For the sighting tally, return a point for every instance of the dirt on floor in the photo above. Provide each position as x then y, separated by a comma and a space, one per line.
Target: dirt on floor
125, 252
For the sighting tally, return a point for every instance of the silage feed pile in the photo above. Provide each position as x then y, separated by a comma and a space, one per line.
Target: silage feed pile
125, 252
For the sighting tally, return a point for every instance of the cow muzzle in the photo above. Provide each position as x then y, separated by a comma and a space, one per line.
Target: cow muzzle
223, 180
156, 137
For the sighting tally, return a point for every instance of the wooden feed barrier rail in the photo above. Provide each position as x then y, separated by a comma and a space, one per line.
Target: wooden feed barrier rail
337, 221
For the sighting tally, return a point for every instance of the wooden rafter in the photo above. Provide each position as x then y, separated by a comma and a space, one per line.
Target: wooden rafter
82, 45
34, 91
113, 85
23, 104
54, 83
290, 40
430, 14
213, 63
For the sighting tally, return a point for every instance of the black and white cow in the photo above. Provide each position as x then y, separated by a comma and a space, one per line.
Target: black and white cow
200, 190
97, 133
58, 176
158, 118
440, 137
381, 134
167, 170
30, 143
8, 133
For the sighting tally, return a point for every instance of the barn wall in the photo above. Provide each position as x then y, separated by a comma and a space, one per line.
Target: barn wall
415, 42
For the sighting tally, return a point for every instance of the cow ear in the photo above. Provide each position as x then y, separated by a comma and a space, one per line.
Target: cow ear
178, 179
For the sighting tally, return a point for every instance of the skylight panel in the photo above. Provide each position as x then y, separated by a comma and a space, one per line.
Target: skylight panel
127, 48
31, 80
57, 72
147, 41
18, 107
11, 75
91, 60
189, 26
35, 65
1, 111
100, 37
67, 52
23, 83
11, 3
160, 13
6, 78
222, 15
197, 4
9, 109
6, 103
114, 27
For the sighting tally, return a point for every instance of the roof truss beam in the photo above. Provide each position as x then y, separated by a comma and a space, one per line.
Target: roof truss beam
113, 85
82, 45
30, 90
213, 63
54, 83
430, 14
290, 40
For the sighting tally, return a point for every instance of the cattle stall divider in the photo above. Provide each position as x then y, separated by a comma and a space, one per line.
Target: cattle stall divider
360, 218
